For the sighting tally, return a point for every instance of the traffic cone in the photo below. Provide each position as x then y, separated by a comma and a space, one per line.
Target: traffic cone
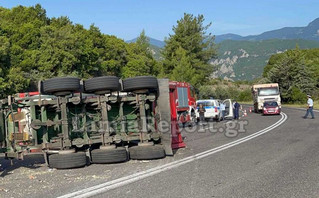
250, 109
245, 113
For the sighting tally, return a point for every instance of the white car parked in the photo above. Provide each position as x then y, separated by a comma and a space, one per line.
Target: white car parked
212, 109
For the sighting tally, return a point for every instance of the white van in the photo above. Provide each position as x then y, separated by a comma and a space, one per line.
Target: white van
212, 109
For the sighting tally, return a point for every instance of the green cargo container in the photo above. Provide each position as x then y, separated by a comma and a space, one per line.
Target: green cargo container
100, 117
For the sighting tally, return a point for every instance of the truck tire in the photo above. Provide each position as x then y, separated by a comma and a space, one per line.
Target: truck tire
61, 85
103, 83
66, 161
147, 152
140, 82
108, 156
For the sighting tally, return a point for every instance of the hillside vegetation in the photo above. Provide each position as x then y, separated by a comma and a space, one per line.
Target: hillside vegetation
244, 57
245, 60
297, 72
34, 47
225, 89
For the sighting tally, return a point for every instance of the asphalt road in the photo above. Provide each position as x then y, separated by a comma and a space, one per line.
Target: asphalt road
283, 162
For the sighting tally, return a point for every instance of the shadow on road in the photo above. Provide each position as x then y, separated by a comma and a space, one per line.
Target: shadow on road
30, 161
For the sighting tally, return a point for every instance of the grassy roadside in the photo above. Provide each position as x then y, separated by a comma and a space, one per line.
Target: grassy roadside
315, 105
246, 102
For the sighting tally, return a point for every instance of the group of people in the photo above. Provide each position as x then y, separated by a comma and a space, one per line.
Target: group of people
222, 108
236, 108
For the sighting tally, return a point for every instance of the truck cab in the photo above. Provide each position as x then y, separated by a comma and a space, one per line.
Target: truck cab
185, 102
263, 93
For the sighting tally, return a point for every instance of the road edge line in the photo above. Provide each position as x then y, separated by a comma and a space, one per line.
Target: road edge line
104, 187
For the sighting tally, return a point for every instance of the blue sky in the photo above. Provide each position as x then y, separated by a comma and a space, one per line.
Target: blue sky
127, 18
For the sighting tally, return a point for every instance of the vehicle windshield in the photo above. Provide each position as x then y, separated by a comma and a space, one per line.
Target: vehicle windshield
268, 91
206, 103
270, 104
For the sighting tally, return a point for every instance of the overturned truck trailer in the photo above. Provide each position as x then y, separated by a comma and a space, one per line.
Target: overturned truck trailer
104, 119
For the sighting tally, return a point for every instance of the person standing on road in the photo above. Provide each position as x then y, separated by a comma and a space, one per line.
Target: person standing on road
222, 109
236, 110
201, 112
309, 108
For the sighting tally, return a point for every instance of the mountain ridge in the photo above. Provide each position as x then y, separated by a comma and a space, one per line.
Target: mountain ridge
244, 57
155, 42
309, 32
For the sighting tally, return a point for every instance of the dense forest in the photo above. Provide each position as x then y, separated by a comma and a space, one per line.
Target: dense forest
34, 47
296, 71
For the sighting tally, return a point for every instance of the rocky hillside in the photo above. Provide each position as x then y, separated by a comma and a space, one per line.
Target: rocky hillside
244, 57
245, 60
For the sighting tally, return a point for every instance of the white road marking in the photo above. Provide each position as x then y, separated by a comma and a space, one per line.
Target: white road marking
104, 187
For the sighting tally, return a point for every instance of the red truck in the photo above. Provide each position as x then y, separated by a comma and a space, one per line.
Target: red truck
57, 124
185, 101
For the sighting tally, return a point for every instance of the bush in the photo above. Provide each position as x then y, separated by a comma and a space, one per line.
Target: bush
205, 92
233, 93
297, 96
245, 95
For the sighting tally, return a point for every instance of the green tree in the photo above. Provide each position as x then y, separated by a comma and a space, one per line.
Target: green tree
291, 72
140, 59
143, 44
4, 63
114, 56
245, 95
183, 70
205, 92
297, 96
190, 35
34, 47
